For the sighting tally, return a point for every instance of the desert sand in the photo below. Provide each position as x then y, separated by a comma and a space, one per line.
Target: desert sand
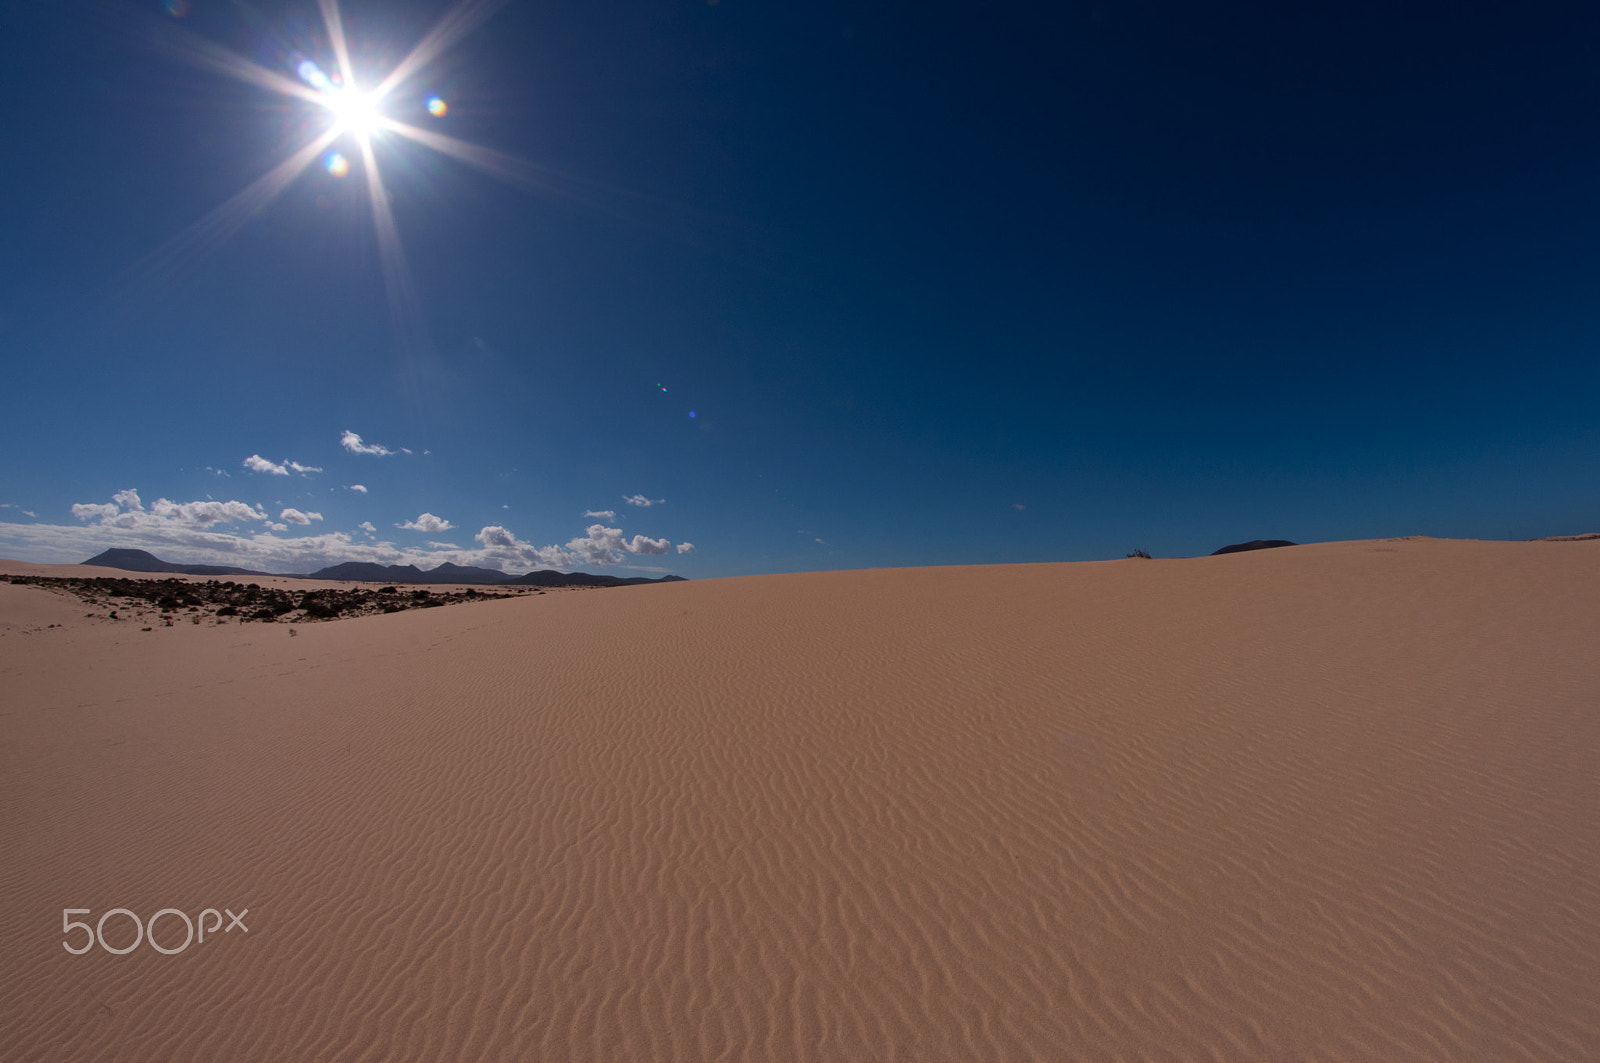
1328, 802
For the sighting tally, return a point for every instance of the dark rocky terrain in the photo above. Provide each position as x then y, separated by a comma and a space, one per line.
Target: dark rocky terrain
170, 601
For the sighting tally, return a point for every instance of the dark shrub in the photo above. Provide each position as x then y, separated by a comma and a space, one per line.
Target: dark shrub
228, 610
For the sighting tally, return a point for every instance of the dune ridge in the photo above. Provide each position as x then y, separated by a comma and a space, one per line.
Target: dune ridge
1331, 803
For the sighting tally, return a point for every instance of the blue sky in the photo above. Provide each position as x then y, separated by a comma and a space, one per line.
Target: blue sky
828, 285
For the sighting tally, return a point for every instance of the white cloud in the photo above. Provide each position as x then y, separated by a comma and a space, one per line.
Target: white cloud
352, 442
603, 514
294, 516
198, 514
256, 463
86, 510
427, 522
359, 489
686, 548
606, 546
368, 527
275, 526
502, 548
128, 499
641, 500
600, 546
444, 546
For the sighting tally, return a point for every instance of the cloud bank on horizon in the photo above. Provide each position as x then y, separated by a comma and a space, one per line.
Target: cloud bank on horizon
206, 532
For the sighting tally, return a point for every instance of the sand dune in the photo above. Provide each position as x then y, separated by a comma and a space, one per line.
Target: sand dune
1328, 802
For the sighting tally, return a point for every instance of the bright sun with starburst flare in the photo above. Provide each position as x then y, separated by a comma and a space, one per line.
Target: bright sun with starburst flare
353, 114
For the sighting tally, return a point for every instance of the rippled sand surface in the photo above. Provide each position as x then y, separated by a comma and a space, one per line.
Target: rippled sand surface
1330, 802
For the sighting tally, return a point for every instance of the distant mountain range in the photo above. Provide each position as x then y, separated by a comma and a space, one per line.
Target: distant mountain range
369, 572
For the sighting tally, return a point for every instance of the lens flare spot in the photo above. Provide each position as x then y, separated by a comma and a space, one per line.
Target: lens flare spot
312, 75
177, 8
437, 107
336, 164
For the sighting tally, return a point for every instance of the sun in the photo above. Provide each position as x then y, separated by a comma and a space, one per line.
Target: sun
354, 112
361, 115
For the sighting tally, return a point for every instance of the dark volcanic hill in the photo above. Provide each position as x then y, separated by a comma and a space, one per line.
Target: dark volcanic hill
143, 561
1253, 544
549, 578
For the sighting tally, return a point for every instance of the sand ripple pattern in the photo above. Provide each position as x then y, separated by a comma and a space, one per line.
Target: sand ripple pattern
1330, 803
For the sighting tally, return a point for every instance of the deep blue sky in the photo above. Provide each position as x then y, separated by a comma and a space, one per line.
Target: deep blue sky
942, 284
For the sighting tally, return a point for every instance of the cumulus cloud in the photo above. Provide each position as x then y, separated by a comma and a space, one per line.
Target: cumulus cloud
605, 546
686, 548
368, 527
352, 442
443, 546
294, 516
641, 500
599, 546
127, 511
359, 489
603, 514
427, 522
503, 548
275, 526
200, 514
256, 463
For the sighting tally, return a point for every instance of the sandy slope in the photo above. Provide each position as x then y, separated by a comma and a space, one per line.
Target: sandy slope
1331, 802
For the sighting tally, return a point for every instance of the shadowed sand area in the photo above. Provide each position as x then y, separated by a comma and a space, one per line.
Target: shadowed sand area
1328, 802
